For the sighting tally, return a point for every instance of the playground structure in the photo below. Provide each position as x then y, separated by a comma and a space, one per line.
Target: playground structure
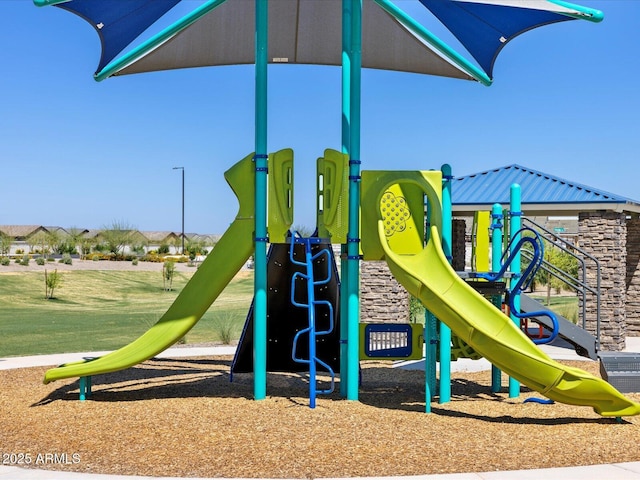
392, 205
393, 219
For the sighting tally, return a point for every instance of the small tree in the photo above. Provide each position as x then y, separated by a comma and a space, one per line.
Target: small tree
39, 241
117, 236
416, 310
52, 281
5, 244
75, 239
559, 259
86, 244
193, 248
168, 272
54, 242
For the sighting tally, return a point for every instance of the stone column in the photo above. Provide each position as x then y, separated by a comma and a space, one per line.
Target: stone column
458, 247
603, 235
382, 299
633, 278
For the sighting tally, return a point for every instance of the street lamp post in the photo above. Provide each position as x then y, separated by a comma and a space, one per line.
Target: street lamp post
182, 168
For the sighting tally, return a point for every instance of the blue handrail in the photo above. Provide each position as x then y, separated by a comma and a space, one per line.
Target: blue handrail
525, 279
313, 361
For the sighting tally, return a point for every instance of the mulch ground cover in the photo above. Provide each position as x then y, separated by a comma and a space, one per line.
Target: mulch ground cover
184, 418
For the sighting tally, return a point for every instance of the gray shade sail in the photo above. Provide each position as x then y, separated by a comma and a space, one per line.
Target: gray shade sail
300, 32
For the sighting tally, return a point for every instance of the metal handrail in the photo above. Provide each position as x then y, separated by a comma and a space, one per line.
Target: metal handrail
526, 278
580, 285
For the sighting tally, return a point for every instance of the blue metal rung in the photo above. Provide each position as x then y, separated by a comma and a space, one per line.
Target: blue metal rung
313, 361
525, 279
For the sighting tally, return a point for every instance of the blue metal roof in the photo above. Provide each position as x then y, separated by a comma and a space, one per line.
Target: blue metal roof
492, 186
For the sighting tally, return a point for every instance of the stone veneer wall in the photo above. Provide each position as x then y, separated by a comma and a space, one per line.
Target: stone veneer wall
382, 298
458, 246
633, 278
603, 235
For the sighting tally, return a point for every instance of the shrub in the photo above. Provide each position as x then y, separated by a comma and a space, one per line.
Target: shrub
138, 249
24, 261
163, 249
66, 259
100, 247
134, 261
65, 247
224, 325
19, 251
40, 261
49, 259
5, 261
152, 257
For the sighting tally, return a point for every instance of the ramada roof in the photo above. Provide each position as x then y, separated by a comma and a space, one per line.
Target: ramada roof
542, 194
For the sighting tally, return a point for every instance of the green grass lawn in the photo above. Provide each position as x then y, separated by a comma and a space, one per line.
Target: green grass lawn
103, 310
565, 305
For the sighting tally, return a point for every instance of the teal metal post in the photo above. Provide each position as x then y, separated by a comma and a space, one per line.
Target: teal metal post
445, 331
260, 160
430, 337
430, 357
496, 255
346, 141
353, 240
515, 223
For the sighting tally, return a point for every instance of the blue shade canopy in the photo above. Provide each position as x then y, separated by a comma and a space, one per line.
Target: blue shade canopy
484, 27
118, 22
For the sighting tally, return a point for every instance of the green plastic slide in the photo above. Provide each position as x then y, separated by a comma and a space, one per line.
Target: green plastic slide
428, 276
221, 265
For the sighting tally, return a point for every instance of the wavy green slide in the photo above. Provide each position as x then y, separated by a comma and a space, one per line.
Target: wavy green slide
428, 276
221, 265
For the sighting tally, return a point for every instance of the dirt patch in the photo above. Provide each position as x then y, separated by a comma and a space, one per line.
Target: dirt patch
184, 418
99, 265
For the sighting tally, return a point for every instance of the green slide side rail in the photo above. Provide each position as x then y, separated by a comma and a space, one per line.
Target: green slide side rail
221, 265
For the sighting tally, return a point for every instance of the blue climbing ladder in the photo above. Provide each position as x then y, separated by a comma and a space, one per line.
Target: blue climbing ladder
311, 305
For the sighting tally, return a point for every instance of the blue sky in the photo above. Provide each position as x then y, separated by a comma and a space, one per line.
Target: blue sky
74, 152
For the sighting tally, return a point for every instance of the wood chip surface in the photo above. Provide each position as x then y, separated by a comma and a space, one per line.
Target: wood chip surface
184, 418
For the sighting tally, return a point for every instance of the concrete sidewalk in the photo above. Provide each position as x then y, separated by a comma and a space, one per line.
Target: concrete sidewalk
617, 471
10, 363
559, 350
